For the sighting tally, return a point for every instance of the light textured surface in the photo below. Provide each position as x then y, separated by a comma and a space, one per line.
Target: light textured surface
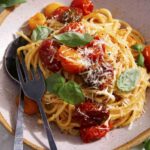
135, 12
6, 140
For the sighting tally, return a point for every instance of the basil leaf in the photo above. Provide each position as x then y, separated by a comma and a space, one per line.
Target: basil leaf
138, 47
128, 80
67, 91
140, 60
74, 39
9, 3
40, 33
54, 83
71, 93
147, 144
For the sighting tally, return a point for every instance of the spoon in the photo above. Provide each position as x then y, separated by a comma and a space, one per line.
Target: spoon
10, 58
10, 67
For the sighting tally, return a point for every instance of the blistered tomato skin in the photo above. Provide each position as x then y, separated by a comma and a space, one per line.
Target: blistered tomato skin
86, 5
73, 27
146, 54
47, 53
93, 133
66, 14
58, 12
71, 15
90, 114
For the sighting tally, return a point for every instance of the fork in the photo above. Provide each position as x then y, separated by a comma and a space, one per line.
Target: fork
34, 88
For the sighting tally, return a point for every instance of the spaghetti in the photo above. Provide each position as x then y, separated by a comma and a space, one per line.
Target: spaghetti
118, 37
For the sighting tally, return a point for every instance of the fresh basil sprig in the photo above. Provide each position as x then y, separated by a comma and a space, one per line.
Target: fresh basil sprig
40, 33
74, 39
71, 93
67, 91
138, 47
9, 3
54, 82
128, 80
140, 59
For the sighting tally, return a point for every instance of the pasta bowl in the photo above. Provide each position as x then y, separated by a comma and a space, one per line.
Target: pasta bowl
134, 12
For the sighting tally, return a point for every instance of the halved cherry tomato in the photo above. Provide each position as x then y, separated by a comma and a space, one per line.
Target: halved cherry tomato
146, 53
30, 106
71, 60
86, 5
94, 50
73, 27
93, 133
47, 53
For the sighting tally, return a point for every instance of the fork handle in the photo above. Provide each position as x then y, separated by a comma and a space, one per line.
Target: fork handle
18, 141
47, 127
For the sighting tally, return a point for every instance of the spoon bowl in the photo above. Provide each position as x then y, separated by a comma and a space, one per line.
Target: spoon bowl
10, 58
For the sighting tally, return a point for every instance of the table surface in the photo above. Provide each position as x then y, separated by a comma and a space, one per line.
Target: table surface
7, 139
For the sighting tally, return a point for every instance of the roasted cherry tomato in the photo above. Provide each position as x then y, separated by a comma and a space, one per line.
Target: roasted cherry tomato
90, 113
30, 106
71, 60
49, 9
58, 12
67, 15
71, 15
94, 50
93, 133
146, 53
73, 27
47, 53
86, 5
36, 20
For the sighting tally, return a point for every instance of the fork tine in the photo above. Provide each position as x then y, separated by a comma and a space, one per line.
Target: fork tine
24, 68
19, 70
32, 73
40, 73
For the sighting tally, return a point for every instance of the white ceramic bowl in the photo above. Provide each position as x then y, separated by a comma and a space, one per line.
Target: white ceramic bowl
135, 12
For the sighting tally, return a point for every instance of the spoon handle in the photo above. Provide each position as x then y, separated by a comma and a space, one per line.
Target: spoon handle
18, 141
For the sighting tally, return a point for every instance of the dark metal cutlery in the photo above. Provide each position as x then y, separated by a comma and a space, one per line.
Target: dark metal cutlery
18, 142
10, 67
33, 87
